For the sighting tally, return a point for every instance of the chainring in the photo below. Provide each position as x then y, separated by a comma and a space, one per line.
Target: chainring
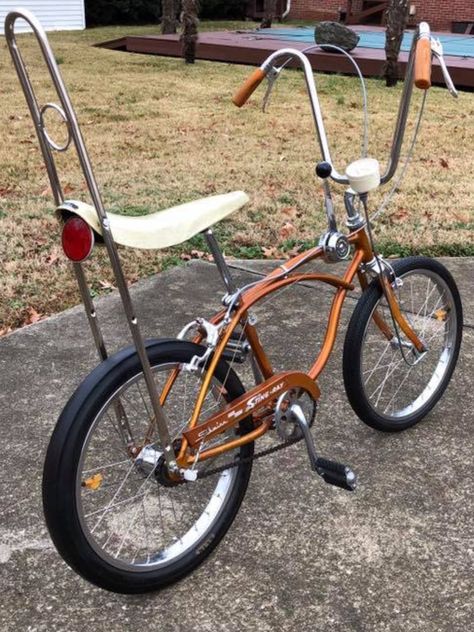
286, 423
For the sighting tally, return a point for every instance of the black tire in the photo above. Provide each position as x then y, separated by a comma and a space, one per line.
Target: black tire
88, 431
417, 387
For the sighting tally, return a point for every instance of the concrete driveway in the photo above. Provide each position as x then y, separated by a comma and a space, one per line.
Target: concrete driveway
397, 555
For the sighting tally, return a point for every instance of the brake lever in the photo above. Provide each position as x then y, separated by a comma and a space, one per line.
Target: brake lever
437, 50
272, 76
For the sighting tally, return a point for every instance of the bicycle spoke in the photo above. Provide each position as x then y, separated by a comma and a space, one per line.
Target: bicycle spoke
129, 513
402, 382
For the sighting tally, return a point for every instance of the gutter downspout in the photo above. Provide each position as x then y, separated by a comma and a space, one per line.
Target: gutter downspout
287, 10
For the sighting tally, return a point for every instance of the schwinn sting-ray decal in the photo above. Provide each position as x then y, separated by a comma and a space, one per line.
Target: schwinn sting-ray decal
250, 403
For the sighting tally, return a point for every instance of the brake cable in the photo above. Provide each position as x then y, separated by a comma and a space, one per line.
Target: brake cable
274, 74
388, 197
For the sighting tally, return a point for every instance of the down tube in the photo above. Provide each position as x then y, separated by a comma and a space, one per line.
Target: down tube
343, 285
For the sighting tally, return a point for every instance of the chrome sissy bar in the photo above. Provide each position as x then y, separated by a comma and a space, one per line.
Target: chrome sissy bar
47, 145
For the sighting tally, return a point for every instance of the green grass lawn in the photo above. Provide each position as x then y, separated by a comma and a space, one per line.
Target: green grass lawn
160, 133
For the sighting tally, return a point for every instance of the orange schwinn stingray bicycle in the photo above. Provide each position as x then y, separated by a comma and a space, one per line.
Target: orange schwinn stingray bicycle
152, 455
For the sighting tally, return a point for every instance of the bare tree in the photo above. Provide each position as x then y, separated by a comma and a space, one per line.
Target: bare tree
189, 35
396, 17
269, 10
168, 18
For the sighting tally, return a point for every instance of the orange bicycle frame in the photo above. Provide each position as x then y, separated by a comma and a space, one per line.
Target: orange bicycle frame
277, 279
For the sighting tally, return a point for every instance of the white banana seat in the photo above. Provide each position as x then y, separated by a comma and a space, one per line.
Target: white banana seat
163, 228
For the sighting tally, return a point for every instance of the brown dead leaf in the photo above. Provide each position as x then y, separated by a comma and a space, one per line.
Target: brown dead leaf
286, 230
32, 316
68, 188
270, 253
195, 254
289, 254
200, 254
290, 211
271, 187
444, 163
241, 238
400, 215
107, 285
210, 187
5, 330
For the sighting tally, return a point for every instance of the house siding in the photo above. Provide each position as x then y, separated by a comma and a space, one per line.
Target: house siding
439, 13
53, 15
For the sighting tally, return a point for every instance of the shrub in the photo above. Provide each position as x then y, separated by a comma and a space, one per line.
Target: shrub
222, 9
103, 12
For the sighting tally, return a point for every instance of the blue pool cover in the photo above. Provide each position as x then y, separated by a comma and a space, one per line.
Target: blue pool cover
457, 45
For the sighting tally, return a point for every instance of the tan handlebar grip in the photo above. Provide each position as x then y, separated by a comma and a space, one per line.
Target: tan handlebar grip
423, 64
249, 85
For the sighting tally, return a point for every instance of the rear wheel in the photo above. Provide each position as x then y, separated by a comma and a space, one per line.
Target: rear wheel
112, 511
387, 385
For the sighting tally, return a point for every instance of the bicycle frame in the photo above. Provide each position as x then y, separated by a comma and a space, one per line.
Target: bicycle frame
197, 433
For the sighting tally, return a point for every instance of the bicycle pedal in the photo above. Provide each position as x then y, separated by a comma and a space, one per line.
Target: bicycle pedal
336, 474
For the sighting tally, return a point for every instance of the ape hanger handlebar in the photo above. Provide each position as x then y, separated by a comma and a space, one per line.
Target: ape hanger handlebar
418, 72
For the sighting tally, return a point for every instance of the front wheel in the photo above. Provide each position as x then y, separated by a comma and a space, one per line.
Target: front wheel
112, 512
389, 387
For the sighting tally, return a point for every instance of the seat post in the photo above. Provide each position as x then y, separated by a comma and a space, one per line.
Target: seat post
221, 264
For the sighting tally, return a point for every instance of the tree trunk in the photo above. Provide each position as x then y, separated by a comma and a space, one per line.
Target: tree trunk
189, 35
168, 19
269, 10
396, 17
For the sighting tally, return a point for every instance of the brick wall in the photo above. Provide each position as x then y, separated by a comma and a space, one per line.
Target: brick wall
314, 10
439, 13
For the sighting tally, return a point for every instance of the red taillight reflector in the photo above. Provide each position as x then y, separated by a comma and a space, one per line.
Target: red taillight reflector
77, 239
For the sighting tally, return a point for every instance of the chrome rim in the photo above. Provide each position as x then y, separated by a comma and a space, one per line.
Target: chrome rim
128, 517
397, 383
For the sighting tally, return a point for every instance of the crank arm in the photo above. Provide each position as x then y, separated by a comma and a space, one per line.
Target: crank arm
331, 472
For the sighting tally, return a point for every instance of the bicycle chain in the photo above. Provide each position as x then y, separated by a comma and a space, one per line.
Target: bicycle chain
248, 459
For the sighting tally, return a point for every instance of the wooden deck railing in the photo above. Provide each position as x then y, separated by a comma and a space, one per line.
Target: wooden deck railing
371, 8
